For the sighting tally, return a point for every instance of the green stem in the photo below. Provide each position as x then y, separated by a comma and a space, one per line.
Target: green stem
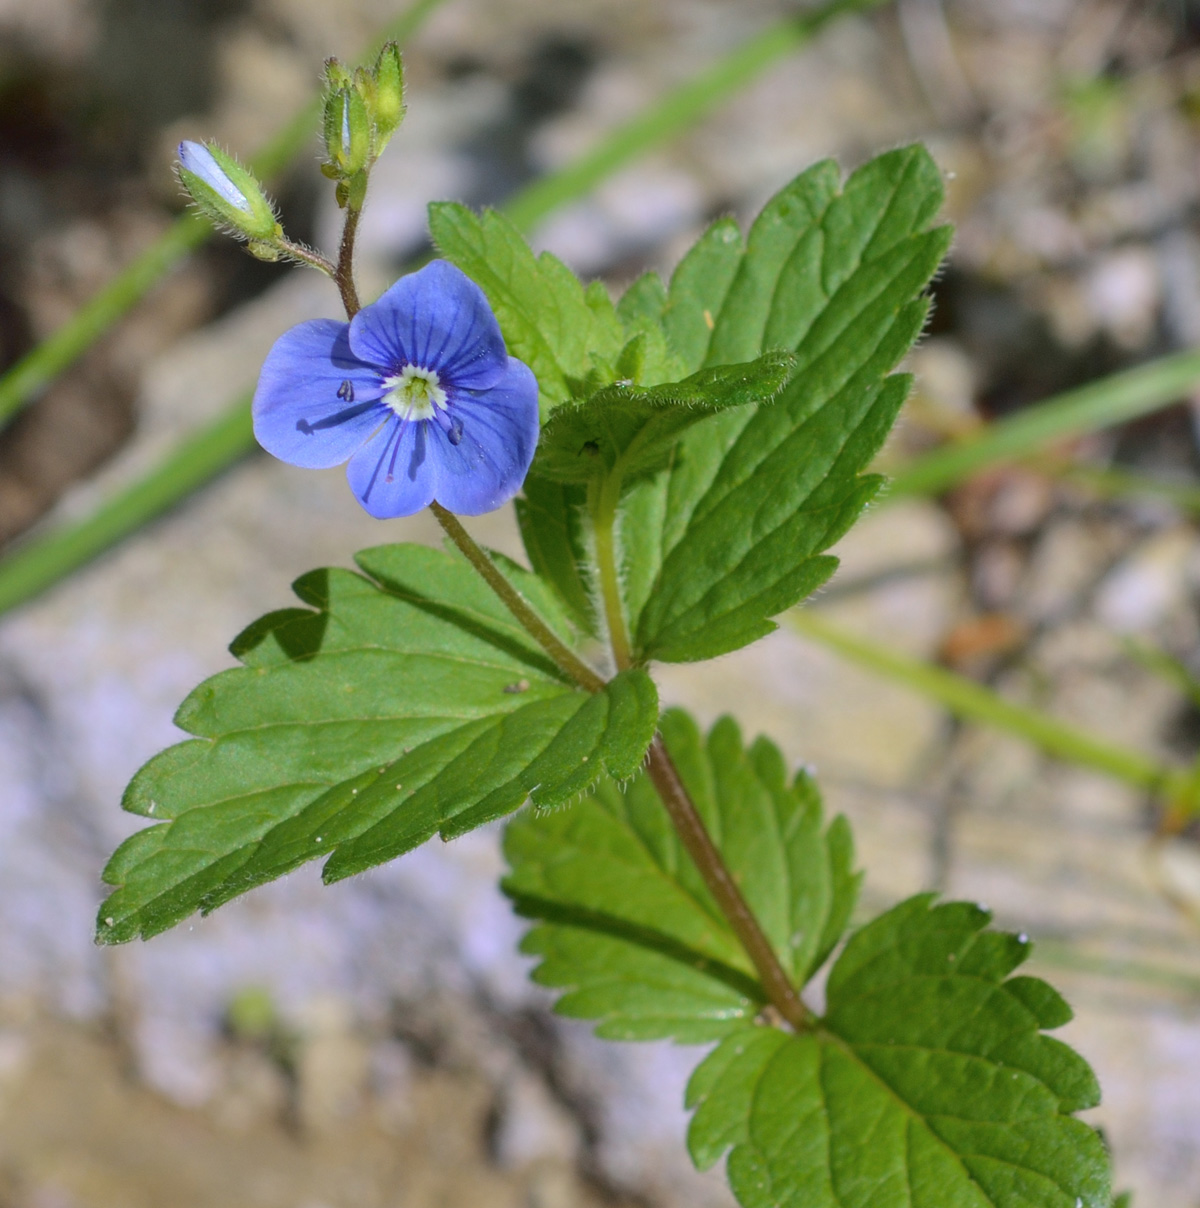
39, 367
688, 824
569, 662
603, 495
968, 699
1112, 400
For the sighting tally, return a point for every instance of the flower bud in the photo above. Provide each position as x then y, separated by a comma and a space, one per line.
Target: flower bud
225, 191
347, 131
389, 92
336, 76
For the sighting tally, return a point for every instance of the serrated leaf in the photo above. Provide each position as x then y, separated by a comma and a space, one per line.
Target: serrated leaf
928, 1083
753, 497
397, 707
561, 331
627, 924
630, 430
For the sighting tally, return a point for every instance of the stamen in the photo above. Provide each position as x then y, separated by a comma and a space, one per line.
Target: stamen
452, 427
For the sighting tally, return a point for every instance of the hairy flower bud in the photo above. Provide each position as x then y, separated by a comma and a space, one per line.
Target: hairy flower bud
336, 76
389, 92
226, 191
347, 131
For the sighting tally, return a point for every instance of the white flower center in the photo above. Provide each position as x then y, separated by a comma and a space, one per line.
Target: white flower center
413, 393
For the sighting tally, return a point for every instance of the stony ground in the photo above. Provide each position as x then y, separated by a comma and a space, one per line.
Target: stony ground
376, 1043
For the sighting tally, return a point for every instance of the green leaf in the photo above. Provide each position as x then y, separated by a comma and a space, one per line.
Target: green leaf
628, 927
630, 430
564, 333
551, 516
394, 708
641, 306
699, 286
928, 1083
738, 523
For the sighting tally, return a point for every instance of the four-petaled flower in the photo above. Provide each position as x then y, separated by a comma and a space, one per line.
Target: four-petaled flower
417, 391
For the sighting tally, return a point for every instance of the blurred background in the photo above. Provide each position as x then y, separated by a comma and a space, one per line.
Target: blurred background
376, 1043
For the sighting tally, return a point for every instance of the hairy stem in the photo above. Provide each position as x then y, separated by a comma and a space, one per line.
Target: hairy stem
569, 662
602, 503
782, 995
344, 273
297, 251
663, 775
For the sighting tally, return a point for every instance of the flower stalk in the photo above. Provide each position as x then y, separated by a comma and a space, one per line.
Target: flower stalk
565, 658
343, 274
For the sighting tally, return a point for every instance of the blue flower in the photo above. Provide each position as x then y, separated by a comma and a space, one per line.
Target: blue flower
417, 391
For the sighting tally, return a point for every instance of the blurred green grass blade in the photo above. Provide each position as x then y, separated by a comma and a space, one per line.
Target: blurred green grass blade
676, 111
1112, 400
1111, 482
39, 367
48, 558
1176, 673
43, 561
973, 701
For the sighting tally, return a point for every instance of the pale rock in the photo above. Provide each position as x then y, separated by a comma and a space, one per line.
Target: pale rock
996, 574
554, 1186
261, 79
391, 1082
531, 1126
1124, 292
16, 1052
175, 1055
1145, 587
912, 611
1049, 233
1176, 863
332, 1063
254, 1090
634, 210
1066, 562
63, 29
945, 377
